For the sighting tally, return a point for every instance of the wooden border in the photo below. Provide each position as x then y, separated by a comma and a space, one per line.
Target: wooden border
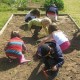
4, 27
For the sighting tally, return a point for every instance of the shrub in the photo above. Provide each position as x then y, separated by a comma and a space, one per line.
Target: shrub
9, 2
59, 3
5, 7
21, 4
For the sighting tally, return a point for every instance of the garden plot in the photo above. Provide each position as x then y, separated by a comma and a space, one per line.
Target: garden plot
32, 70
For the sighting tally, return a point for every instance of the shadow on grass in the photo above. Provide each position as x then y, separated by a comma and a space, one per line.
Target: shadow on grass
6, 65
35, 75
75, 42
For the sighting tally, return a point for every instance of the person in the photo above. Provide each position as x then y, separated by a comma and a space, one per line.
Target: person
52, 12
35, 13
38, 24
52, 57
15, 47
57, 36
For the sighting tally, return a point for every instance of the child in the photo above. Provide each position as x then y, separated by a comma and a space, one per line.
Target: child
52, 12
15, 47
32, 14
58, 36
52, 58
38, 24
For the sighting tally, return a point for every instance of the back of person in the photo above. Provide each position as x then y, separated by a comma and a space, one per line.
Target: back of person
52, 59
53, 9
35, 13
61, 39
15, 46
52, 12
38, 24
28, 17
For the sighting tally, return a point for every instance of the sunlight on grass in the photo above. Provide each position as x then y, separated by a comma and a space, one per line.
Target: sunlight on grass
72, 7
3, 18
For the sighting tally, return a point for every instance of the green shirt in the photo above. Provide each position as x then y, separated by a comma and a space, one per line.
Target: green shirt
37, 22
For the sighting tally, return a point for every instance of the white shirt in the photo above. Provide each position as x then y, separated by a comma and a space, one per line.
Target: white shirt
59, 37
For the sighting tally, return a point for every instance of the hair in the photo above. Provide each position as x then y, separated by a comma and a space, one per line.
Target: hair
48, 47
52, 27
44, 49
35, 12
46, 19
15, 34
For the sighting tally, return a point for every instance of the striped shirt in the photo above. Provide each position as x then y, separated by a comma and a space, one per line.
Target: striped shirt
15, 46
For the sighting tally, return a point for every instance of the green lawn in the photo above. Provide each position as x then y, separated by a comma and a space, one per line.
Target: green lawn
71, 7
4, 17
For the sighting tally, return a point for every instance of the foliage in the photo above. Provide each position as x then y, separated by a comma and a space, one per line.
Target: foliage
9, 2
21, 4
59, 3
5, 7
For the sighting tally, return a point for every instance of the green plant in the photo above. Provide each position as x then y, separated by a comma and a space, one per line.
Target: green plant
9, 2
59, 3
5, 7
21, 4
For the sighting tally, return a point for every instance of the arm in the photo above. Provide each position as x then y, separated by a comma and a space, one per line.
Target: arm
46, 29
59, 58
48, 38
24, 48
30, 24
57, 10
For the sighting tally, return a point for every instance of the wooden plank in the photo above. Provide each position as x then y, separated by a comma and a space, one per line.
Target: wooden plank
4, 27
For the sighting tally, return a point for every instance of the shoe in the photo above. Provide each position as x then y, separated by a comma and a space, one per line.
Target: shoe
23, 61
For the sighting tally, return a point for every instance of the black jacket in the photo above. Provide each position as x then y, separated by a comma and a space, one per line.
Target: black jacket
55, 58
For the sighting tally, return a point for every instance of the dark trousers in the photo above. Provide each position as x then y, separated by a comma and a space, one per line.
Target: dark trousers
36, 31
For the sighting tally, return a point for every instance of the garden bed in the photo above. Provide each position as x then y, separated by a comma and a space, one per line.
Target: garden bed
32, 71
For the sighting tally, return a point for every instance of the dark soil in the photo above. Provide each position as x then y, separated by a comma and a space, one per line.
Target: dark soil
32, 71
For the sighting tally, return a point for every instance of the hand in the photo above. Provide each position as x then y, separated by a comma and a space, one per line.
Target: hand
45, 74
54, 68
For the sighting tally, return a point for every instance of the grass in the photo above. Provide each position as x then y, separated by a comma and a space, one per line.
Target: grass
4, 17
70, 7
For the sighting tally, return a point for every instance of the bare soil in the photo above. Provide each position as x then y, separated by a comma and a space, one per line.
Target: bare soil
32, 71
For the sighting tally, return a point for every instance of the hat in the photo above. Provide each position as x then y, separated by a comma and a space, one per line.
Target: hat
44, 49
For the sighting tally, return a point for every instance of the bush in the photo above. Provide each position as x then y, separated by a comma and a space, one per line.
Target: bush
21, 4
5, 7
59, 3
9, 2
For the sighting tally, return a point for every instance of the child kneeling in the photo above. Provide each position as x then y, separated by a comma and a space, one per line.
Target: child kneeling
15, 47
52, 58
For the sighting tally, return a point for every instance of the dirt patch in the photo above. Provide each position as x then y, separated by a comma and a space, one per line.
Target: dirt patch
32, 71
